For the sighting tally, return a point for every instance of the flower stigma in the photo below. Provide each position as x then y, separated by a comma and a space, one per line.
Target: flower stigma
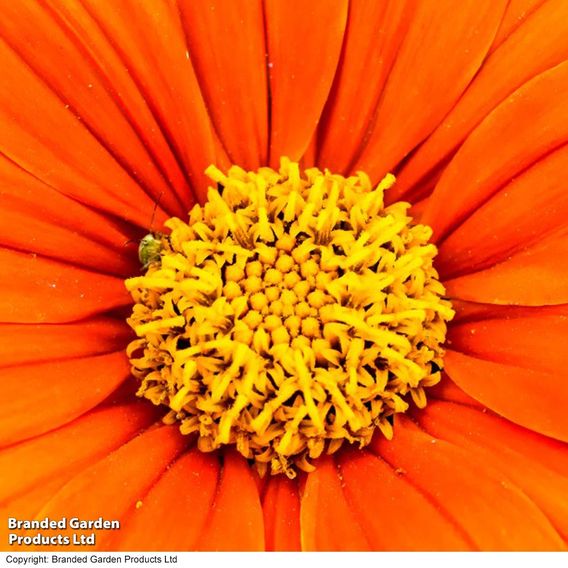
291, 313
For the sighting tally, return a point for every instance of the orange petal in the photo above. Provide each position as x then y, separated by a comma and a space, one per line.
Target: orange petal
393, 514
500, 75
36, 218
78, 81
111, 487
42, 137
236, 491
36, 289
507, 222
61, 452
535, 399
476, 433
25, 507
39, 397
281, 508
24, 344
535, 276
520, 341
150, 42
227, 48
328, 521
304, 44
173, 514
136, 93
471, 311
494, 431
424, 77
493, 513
528, 125
516, 13
447, 390
373, 36
308, 159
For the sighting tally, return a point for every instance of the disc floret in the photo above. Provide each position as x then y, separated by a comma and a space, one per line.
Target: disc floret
290, 314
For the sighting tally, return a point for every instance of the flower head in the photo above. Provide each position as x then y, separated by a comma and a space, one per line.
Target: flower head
291, 314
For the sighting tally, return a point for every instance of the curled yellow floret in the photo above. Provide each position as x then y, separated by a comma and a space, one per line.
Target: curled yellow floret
291, 313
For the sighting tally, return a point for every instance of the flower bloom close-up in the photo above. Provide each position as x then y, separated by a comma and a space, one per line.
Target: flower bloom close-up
284, 275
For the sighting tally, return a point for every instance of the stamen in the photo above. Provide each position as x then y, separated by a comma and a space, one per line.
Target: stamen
290, 314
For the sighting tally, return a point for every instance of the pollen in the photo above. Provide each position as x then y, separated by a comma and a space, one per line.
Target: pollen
291, 314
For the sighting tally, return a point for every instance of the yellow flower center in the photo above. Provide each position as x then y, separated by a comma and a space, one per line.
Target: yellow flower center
290, 314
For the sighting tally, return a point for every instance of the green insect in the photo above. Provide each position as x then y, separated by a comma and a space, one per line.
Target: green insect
151, 244
149, 249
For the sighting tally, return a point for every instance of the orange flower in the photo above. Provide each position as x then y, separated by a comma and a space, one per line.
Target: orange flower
108, 108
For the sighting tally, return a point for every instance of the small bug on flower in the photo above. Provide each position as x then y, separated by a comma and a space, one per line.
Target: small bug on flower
149, 249
150, 245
